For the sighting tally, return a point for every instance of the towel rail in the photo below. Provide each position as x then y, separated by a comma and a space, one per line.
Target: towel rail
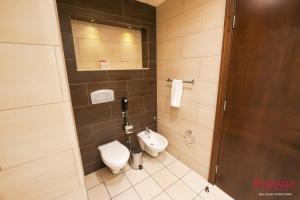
192, 81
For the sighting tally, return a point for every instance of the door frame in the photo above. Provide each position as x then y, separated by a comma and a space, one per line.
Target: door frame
222, 89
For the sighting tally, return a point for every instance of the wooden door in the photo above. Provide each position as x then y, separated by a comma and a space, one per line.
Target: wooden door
261, 128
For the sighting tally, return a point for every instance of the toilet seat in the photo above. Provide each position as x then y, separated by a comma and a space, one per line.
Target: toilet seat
114, 154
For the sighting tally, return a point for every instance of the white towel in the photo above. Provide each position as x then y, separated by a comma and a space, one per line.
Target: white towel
176, 94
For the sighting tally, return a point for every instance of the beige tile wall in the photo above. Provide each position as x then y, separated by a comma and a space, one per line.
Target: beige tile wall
189, 42
39, 153
93, 42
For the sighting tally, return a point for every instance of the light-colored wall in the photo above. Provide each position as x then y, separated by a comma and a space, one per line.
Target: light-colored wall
152, 2
93, 42
189, 35
39, 154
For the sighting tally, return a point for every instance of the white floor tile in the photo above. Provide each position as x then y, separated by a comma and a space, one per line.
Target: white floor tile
178, 168
146, 157
195, 181
152, 166
77, 194
214, 193
162, 196
221, 193
135, 176
165, 158
180, 191
148, 189
117, 185
99, 177
197, 198
130, 194
207, 195
126, 168
91, 180
97, 192
105, 174
164, 178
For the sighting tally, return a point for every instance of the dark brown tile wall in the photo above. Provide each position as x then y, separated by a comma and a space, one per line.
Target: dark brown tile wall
102, 123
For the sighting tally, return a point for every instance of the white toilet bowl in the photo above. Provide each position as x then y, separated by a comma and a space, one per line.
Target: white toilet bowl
114, 155
152, 142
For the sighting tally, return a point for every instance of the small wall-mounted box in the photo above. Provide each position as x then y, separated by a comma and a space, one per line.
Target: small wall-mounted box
102, 96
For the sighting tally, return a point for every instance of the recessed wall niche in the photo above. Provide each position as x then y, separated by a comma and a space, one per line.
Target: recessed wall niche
105, 47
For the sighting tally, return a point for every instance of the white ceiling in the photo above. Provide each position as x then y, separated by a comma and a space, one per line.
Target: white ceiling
152, 2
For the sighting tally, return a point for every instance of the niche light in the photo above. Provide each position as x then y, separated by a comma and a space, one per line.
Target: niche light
127, 37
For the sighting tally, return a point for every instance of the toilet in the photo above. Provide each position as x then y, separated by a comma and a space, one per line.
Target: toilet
114, 155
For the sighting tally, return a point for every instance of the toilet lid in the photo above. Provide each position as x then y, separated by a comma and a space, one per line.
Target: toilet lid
114, 153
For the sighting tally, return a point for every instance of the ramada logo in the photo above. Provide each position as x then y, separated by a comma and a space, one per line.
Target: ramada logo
273, 185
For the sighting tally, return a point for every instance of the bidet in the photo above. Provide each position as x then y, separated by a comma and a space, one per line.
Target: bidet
151, 142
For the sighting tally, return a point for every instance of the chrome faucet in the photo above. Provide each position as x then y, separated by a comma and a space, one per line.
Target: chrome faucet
147, 131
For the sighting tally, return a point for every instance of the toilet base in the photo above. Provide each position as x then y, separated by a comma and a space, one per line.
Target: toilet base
115, 171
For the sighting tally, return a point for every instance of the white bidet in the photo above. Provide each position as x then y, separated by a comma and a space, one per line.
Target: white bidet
152, 142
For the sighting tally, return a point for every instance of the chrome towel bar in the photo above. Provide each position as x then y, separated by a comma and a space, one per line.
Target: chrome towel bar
192, 81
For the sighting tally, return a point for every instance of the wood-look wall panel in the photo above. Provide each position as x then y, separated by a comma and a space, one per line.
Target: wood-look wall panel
102, 123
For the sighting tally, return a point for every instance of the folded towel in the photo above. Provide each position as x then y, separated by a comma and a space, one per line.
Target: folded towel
176, 94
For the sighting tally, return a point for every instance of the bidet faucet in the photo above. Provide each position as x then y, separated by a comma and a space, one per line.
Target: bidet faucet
147, 130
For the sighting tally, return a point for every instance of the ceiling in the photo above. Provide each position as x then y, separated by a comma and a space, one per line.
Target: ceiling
152, 2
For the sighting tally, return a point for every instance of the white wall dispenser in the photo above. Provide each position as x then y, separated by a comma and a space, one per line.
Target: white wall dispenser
102, 96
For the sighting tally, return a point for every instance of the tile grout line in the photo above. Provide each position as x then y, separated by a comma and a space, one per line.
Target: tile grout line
127, 188
56, 153
166, 167
35, 105
131, 185
137, 192
179, 179
180, 36
122, 172
107, 190
188, 58
29, 44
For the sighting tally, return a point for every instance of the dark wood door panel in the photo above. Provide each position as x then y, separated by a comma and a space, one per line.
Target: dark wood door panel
261, 127
279, 141
248, 158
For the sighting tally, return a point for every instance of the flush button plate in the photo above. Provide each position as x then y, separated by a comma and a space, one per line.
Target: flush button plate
102, 96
